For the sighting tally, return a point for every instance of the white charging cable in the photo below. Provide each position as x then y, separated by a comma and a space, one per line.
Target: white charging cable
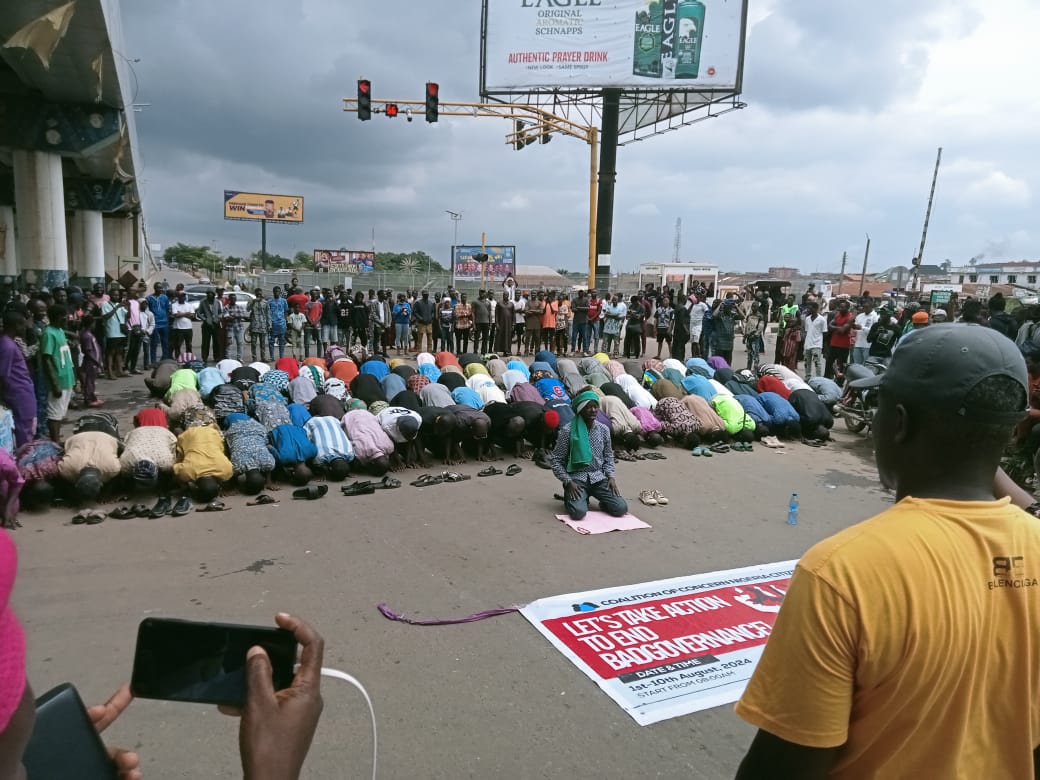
338, 675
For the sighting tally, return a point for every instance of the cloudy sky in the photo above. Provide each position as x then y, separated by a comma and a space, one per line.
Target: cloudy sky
847, 103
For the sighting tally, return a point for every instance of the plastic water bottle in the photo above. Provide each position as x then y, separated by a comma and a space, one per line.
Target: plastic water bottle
792, 510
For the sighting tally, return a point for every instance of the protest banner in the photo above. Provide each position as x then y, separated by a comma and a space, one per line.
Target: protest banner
672, 647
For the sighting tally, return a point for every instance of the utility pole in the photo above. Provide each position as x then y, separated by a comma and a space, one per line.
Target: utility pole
678, 240
863, 276
456, 217
534, 125
607, 179
927, 218
841, 276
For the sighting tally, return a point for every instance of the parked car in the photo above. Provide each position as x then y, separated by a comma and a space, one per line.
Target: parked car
195, 296
284, 271
203, 280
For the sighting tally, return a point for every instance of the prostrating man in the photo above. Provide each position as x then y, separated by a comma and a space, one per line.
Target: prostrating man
402, 426
251, 458
372, 447
334, 451
583, 461
895, 633
91, 460
437, 434
472, 430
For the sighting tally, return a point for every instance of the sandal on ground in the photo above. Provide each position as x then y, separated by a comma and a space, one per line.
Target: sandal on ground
697, 452
94, 516
162, 508
541, 460
140, 510
183, 507
659, 497
123, 513
814, 442
427, 480
772, 442
647, 497
359, 489
655, 456
490, 471
454, 476
619, 455
719, 448
214, 506
387, 483
513, 470
262, 500
311, 492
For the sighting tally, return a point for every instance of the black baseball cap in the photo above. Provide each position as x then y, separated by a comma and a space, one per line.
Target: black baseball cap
940, 365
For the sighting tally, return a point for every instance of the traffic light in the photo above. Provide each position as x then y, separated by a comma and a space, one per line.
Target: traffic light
433, 91
391, 110
481, 258
546, 136
519, 143
364, 100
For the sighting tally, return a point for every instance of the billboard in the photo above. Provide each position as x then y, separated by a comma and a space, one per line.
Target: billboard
501, 263
342, 261
287, 209
636, 44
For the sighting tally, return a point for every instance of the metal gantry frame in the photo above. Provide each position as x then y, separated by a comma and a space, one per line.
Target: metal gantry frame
540, 123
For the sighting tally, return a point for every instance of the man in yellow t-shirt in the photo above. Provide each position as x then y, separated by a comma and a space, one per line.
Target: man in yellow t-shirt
907, 645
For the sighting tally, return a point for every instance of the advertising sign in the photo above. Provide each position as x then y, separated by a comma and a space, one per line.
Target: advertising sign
672, 647
341, 261
501, 263
662, 44
287, 209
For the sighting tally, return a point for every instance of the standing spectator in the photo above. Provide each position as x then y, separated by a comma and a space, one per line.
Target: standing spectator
159, 343
31, 349
181, 330
615, 312
725, 321
113, 316
789, 307
424, 311
563, 323
580, 324
754, 336
234, 326
259, 325
883, 336
635, 317
664, 318
463, 325
279, 310
19, 395
313, 310
379, 320
815, 325
147, 329
504, 315
864, 321
790, 341
520, 303
359, 313
210, 313
60, 373
595, 321
549, 321
697, 312
999, 319
135, 333
91, 363
402, 314
841, 340
532, 324
296, 322
481, 323
329, 320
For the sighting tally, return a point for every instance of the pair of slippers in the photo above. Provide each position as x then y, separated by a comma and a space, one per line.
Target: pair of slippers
126, 512
367, 487
814, 442
650, 456
89, 517
165, 506
491, 471
742, 446
772, 442
428, 480
263, 500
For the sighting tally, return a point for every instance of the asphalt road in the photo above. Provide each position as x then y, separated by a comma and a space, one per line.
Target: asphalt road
489, 699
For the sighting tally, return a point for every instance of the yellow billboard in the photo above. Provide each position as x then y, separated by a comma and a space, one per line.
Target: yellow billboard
273, 208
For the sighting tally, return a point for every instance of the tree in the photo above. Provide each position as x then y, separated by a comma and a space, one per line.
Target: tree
397, 261
303, 260
193, 257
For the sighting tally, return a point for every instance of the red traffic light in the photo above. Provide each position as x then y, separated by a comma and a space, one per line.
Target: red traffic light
364, 86
391, 110
432, 88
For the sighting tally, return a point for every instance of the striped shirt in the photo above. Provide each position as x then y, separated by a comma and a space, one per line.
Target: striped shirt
330, 439
602, 465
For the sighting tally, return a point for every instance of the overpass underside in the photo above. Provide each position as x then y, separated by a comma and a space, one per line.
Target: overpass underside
70, 208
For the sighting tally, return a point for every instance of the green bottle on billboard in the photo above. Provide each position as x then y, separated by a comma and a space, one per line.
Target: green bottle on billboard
647, 56
690, 25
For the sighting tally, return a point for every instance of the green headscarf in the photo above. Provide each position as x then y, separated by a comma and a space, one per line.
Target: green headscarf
580, 456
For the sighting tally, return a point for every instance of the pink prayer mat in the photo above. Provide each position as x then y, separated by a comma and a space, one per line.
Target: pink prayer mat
601, 523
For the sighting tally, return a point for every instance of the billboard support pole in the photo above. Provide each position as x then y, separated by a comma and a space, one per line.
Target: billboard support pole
607, 178
593, 177
263, 245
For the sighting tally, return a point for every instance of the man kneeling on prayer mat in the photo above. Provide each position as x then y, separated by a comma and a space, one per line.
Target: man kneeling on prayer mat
583, 461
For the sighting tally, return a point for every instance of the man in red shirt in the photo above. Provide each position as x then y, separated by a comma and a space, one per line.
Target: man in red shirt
312, 330
595, 322
299, 297
841, 339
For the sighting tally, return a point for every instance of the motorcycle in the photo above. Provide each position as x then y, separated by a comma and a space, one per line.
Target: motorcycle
860, 400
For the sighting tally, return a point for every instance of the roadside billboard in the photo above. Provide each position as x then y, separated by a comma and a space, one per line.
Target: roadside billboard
641, 44
501, 263
342, 261
249, 206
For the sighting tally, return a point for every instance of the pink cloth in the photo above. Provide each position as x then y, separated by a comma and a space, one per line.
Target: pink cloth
647, 419
525, 391
366, 435
601, 523
12, 640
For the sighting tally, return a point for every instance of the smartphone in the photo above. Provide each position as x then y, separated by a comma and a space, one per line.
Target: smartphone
205, 663
64, 742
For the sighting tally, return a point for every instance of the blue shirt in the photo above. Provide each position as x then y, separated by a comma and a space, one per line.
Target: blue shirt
298, 414
463, 396
779, 408
696, 384
291, 445
402, 313
279, 308
159, 305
